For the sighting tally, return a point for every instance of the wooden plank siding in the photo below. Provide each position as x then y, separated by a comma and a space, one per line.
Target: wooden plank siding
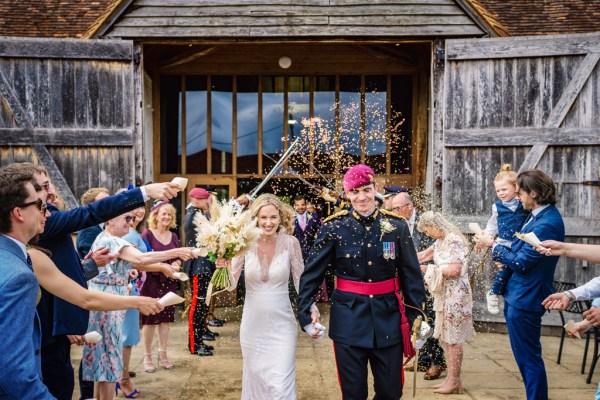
529, 102
278, 18
68, 105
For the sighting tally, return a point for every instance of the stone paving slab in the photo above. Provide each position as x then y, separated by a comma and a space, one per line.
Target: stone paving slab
489, 369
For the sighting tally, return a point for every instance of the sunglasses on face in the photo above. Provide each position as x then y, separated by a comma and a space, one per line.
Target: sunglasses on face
39, 203
400, 207
128, 218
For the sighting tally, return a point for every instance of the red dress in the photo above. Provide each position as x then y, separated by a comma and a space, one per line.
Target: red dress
157, 284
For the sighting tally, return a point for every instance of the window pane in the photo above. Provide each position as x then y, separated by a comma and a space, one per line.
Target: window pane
375, 122
349, 121
401, 122
298, 109
221, 120
170, 124
195, 124
325, 135
272, 115
247, 125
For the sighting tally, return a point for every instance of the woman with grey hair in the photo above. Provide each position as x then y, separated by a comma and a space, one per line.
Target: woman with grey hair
448, 282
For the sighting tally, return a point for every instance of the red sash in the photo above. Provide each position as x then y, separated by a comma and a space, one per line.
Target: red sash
383, 287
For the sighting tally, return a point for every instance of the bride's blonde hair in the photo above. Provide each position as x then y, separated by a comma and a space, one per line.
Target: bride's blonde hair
286, 212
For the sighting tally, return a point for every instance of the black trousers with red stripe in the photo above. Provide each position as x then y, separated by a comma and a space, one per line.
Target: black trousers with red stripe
386, 366
198, 310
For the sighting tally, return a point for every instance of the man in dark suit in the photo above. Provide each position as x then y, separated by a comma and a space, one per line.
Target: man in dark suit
63, 323
21, 214
431, 355
373, 257
306, 225
532, 279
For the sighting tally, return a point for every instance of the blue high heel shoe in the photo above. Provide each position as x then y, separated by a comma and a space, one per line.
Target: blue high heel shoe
133, 395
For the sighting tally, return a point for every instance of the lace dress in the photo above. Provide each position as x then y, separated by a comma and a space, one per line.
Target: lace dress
269, 331
452, 297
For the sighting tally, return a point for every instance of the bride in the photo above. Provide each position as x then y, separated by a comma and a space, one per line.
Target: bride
268, 331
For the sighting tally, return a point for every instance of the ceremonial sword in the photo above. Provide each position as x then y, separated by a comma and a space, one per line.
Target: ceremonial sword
283, 158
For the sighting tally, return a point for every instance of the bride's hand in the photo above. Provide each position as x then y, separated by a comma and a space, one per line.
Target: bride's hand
222, 263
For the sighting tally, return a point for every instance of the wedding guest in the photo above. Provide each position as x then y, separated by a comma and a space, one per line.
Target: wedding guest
86, 237
161, 219
431, 356
200, 271
268, 332
21, 214
532, 278
448, 281
102, 362
508, 215
371, 254
388, 195
64, 323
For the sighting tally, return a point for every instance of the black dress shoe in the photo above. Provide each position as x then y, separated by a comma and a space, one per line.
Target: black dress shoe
204, 350
215, 323
208, 336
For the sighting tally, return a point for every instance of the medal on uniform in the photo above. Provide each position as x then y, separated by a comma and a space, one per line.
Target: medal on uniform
389, 250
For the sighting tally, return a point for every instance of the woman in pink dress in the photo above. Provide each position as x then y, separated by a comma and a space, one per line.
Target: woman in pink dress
160, 220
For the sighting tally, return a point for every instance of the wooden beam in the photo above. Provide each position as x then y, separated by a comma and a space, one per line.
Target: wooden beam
66, 137
56, 176
525, 46
186, 57
503, 137
66, 49
8, 92
558, 113
568, 97
573, 226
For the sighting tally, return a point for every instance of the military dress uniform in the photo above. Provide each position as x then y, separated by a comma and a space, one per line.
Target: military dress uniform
200, 271
366, 328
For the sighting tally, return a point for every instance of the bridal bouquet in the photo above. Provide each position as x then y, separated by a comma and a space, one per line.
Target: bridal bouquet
226, 235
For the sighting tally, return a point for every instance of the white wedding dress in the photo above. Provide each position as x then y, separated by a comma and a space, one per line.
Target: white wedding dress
269, 331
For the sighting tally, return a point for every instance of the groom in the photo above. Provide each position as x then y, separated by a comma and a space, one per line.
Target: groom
373, 257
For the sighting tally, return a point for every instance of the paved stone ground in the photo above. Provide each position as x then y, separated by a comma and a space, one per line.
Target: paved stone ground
489, 370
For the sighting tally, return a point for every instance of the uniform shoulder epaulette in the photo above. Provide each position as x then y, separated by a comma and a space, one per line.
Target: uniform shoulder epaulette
391, 214
336, 215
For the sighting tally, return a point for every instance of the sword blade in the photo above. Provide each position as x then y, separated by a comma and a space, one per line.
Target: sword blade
331, 185
277, 165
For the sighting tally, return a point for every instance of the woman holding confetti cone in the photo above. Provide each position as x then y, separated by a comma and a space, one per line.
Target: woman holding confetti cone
102, 362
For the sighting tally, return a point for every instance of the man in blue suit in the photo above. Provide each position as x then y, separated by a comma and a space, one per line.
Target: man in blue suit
531, 281
21, 214
63, 323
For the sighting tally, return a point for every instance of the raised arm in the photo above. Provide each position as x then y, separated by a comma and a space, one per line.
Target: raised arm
60, 285
136, 257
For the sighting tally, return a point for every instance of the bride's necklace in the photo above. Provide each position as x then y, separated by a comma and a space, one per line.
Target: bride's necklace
266, 247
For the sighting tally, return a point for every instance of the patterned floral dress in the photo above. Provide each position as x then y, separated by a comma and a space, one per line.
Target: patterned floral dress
103, 362
453, 300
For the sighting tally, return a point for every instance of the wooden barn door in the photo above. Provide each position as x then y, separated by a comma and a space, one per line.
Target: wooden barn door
532, 102
69, 105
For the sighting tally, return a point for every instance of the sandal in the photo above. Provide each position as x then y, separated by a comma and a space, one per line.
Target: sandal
149, 365
164, 363
133, 395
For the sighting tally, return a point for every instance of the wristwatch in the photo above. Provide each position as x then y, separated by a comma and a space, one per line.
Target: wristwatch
570, 295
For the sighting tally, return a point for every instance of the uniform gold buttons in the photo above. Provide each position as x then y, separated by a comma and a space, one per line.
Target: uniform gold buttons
347, 255
370, 280
369, 245
370, 263
370, 295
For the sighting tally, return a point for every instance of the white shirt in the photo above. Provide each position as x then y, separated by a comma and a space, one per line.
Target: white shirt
535, 213
588, 291
411, 221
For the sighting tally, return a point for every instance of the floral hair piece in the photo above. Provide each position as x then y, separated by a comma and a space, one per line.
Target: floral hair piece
158, 205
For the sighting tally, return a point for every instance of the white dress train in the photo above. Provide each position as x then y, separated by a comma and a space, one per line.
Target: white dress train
269, 331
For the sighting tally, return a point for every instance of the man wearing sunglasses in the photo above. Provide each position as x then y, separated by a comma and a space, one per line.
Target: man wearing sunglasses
63, 323
21, 213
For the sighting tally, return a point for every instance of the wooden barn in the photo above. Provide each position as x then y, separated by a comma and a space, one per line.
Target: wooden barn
123, 91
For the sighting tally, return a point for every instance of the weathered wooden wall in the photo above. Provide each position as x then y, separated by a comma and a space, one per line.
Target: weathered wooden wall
302, 18
69, 105
532, 103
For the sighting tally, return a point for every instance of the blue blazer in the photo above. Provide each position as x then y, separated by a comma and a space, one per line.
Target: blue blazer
85, 239
533, 273
20, 362
57, 316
